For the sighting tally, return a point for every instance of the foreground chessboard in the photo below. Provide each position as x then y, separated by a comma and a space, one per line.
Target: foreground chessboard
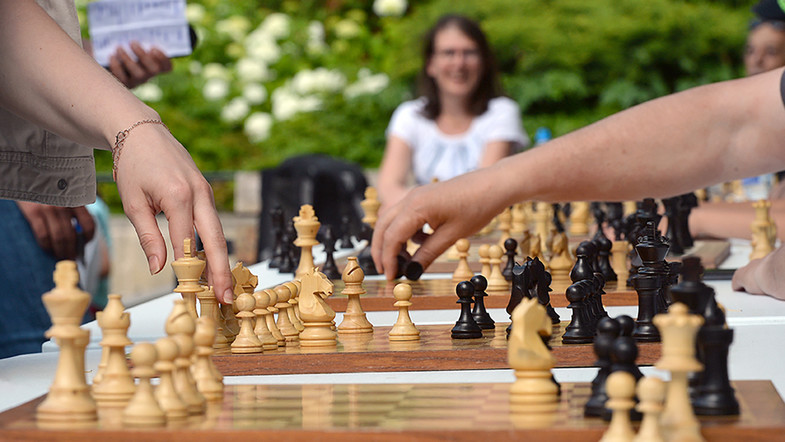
411, 412
439, 294
435, 350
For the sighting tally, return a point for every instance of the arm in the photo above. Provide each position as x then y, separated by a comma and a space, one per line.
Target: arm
495, 151
730, 220
660, 148
49, 80
394, 172
132, 72
763, 276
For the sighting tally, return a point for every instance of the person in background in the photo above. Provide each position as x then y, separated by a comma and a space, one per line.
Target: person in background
764, 51
54, 102
459, 123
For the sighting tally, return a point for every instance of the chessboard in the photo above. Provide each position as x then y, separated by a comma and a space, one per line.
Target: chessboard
385, 412
435, 350
439, 294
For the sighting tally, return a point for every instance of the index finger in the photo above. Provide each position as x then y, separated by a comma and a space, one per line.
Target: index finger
211, 232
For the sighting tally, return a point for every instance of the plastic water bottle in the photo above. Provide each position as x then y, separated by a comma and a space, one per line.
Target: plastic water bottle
542, 135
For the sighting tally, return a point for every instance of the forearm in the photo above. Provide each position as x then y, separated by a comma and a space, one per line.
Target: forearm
48, 79
661, 148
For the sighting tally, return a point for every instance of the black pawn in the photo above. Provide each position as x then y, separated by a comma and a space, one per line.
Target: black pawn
465, 327
579, 331
604, 246
481, 316
626, 325
288, 263
608, 330
330, 269
583, 268
520, 281
688, 202
364, 258
346, 238
510, 244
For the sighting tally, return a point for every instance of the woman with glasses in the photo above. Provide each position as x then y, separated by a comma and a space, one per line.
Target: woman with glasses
459, 123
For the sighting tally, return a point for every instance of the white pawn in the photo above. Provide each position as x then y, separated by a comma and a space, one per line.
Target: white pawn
166, 393
271, 325
289, 332
354, 319
209, 380
651, 393
180, 326
485, 260
269, 342
246, 341
496, 281
621, 392
462, 272
294, 290
143, 408
404, 329
117, 386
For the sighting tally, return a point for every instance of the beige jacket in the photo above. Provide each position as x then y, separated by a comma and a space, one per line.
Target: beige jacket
37, 165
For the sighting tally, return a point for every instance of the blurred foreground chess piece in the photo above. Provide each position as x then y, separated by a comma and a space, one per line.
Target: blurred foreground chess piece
579, 218
354, 319
534, 390
117, 386
621, 391
651, 394
180, 326
404, 329
678, 330
209, 380
68, 403
143, 409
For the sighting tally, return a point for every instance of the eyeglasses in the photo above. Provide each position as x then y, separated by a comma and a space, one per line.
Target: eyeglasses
452, 54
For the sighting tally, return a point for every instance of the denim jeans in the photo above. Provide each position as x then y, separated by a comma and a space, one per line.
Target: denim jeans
25, 274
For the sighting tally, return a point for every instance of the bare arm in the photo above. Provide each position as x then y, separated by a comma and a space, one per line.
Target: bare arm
763, 276
49, 80
731, 220
661, 148
394, 172
495, 151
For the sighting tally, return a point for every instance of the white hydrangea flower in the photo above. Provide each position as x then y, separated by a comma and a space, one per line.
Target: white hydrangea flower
215, 89
262, 47
347, 29
148, 92
318, 80
257, 126
194, 13
286, 103
215, 70
315, 31
236, 27
276, 25
235, 110
366, 84
195, 67
254, 93
389, 8
249, 70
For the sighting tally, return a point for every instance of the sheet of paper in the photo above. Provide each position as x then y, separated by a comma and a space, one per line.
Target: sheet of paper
151, 23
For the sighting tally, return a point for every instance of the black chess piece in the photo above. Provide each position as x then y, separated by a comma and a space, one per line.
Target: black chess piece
519, 290
688, 202
413, 270
647, 287
623, 356
557, 224
578, 331
626, 325
615, 219
510, 246
364, 258
288, 263
582, 268
346, 237
604, 245
330, 269
481, 316
608, 330
466, 327
277, 222
672, 213
540, 280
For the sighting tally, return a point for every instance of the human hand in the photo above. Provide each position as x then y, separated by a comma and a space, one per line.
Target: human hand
156, 174
133, 73
454, 209
53, 228
762, 276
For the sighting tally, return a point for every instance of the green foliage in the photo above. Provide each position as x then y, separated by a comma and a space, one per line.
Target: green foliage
567, 63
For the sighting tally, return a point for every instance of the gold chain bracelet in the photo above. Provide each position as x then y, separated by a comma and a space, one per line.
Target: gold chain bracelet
120, 141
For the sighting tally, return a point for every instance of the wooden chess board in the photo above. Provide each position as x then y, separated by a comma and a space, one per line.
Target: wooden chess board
386, 412
435, 350
439, 294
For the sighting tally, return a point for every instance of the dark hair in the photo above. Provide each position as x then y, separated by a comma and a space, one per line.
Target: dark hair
488, 84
